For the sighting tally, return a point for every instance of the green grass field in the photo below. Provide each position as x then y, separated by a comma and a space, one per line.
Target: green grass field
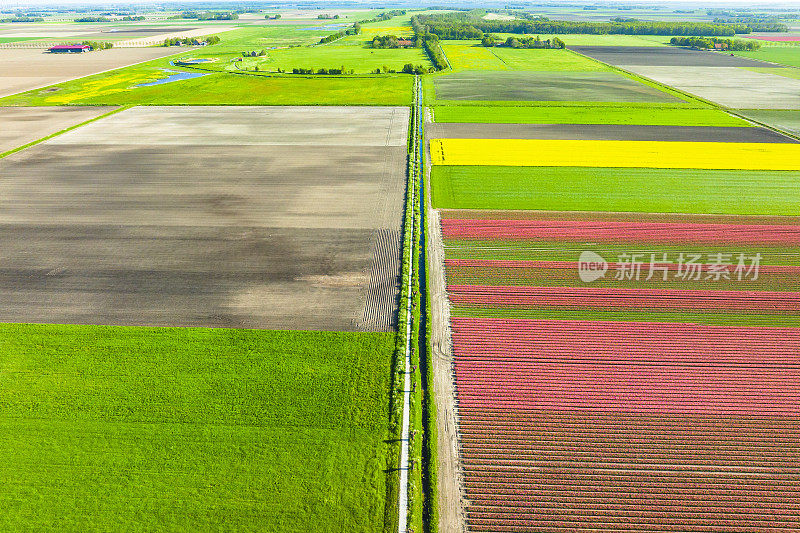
4, 40
793, 73
656, 116
142, 429
784, 55
118, 88
612, 189
225, 85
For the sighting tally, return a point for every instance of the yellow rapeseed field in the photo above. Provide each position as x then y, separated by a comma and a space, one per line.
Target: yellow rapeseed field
644, 154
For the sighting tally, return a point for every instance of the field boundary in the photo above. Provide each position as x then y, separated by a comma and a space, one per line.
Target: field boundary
65, 130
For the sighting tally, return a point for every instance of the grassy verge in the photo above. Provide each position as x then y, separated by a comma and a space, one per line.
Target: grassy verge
119, 88
192, 428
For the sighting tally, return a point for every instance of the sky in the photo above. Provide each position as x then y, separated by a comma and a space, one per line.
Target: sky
14, 4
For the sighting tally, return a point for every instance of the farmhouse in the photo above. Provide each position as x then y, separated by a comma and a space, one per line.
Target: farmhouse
405, 43
69, 48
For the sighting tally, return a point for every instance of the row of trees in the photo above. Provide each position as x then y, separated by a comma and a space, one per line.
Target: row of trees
22, 19
468, 25
711, 42
191, 41
92, 19
208, 15
490, 40
355, 29
322, 71
98, 45
386, 15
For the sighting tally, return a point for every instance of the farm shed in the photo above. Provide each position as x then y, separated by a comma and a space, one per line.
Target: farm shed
69, 48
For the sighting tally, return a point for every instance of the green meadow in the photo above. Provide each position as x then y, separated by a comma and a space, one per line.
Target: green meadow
142, 429
616, 189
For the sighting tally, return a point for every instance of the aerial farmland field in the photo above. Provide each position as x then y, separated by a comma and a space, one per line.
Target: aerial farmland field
30, 68
524, 269
19, 126
612, 402
164, 236
546, 86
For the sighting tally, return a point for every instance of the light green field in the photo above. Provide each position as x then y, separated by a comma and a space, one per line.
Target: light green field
470, 55
793, 73
640, 190
4, 40
788, 121
784, 55
656, 116
144, 429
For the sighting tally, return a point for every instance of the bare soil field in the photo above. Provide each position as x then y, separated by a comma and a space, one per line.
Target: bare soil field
21, 125
737, 88
27, 69
442, 130
247, 125
664, 57
275, 236
558, 86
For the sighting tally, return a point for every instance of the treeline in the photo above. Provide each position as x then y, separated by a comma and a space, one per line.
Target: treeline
355, 29
92, 19
131, 18
22, 19
466, 25
710, 42
208, 15
490, 40
387, 41
327, 17
191, 41
755, 25
98, 45
386, 15
435, 53
322, 71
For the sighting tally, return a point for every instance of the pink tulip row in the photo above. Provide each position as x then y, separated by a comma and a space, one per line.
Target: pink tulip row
621, 231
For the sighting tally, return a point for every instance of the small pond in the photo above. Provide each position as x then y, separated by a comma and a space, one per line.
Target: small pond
174, 76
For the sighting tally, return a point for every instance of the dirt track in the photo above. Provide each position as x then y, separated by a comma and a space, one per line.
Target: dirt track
451, 497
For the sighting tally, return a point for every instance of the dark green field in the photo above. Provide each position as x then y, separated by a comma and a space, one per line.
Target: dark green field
546, 86
142, 429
